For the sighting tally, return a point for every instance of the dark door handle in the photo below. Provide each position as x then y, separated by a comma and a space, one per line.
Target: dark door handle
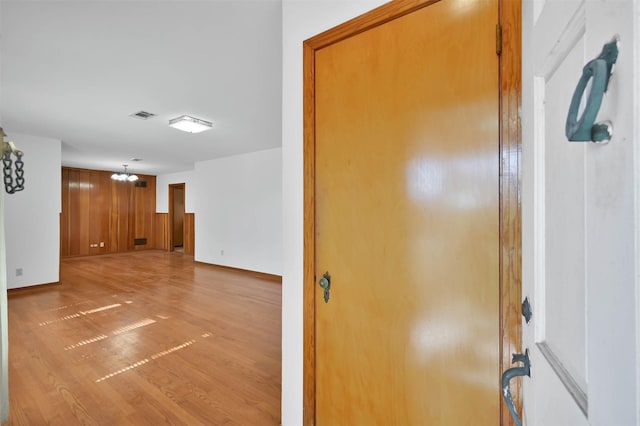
509, 374
325, 283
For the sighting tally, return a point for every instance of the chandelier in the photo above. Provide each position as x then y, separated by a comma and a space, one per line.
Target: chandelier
124, 176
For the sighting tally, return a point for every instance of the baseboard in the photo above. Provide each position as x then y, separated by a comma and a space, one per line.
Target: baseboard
31, 288
115, 253
262, 275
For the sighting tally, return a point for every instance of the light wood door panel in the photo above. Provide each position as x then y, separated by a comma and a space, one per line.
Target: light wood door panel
407, 221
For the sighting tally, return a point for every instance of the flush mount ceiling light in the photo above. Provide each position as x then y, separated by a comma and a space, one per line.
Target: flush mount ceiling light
186, 123
124, 176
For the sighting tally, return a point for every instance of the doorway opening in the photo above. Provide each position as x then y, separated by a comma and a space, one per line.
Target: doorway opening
176, 216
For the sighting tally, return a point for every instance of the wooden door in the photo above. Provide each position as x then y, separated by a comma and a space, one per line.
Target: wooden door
176, 215
405, 128
578, 234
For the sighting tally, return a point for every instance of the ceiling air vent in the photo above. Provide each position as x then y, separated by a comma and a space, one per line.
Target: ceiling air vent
142, 115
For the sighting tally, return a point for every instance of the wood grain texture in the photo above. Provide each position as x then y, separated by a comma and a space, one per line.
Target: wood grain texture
510, 153
146, 338
96, 209
407, 221
178, 215
98, 192
75, 199
120, 216
309, 266
65, 231
189, 233
161, 240
510, 199
385, 13
144, 213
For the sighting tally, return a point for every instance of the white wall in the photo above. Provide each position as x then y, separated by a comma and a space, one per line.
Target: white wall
162, 190
238, 211
4, 331
636, 179
300, 21
32, 216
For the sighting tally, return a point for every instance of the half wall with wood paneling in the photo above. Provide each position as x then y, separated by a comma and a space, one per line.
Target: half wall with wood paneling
189, 233
162, 231
100, 215
162, 227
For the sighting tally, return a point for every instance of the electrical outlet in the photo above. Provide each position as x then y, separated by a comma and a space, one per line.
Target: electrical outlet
101, 243
221, 252
18, 272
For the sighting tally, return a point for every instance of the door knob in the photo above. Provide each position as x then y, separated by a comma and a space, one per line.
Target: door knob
509, 374
325, 283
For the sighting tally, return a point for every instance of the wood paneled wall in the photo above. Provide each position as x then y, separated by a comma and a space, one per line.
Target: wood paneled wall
189, 233
162, 232
100, 215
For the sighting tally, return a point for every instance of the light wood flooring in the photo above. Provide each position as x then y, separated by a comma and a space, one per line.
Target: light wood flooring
146, 338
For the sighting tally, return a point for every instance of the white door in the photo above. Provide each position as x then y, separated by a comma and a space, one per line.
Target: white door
580, 224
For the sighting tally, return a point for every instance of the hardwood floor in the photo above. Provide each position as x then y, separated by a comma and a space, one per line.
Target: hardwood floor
146, 338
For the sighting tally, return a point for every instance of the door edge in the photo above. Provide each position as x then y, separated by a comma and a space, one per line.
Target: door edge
510, 103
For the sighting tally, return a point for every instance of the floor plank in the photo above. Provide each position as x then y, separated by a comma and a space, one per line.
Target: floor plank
145, 338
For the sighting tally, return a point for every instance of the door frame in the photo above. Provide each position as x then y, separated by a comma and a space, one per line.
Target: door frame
510, 262
172, 188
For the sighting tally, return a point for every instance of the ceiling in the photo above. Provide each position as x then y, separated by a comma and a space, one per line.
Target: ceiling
76, 70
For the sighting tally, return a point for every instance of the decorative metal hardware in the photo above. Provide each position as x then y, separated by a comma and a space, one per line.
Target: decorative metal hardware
509, 374
325, 283
597, 72
9, 148
526, 310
